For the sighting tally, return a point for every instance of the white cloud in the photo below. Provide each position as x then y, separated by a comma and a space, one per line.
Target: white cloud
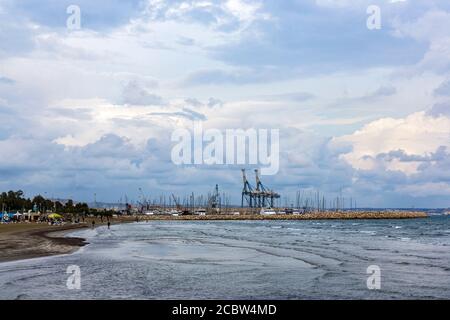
136, 94
419, 134
244, 11
434, 24
431, 28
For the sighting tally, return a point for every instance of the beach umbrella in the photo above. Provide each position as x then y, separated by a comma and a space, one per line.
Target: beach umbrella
55, 216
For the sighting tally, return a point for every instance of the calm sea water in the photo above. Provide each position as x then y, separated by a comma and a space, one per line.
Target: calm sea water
245, 260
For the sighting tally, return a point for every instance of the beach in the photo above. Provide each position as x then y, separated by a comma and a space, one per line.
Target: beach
244, 259
31, 240
20, 241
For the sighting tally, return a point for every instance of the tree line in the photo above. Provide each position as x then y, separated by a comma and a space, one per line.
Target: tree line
15, 201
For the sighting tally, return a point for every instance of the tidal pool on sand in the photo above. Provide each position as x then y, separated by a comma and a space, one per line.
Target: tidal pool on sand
325, 259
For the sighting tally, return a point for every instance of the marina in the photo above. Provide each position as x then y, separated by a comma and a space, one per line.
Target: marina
257, 203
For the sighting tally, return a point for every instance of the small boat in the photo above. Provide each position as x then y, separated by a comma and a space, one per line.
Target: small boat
174, 213
200, 212
267, 211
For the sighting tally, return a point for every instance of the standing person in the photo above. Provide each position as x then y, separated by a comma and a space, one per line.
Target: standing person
93, 224
109, 224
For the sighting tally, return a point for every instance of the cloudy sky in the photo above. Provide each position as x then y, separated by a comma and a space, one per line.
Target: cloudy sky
362, 112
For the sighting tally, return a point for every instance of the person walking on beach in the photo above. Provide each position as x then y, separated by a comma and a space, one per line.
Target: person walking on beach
109, 224
93, 224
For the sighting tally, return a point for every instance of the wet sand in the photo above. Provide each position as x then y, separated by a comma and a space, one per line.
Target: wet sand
32, 240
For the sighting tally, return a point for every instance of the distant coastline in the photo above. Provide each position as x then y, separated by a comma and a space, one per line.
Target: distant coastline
305, 216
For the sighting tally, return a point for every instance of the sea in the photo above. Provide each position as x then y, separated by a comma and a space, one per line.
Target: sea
322, 259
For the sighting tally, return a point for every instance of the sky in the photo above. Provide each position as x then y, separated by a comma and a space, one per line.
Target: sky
360, 112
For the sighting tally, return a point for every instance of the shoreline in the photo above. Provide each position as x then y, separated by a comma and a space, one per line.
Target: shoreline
39, 241
27, 241
21, 241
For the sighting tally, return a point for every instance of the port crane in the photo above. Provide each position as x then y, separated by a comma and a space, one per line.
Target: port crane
259, 197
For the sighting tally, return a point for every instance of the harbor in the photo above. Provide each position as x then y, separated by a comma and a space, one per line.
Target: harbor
38, 227
258, 202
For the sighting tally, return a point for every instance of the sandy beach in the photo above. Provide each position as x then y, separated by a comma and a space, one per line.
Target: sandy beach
32, 240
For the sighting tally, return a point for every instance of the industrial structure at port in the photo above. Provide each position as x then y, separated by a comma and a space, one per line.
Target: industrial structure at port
253, 198
258, 201
258, 197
